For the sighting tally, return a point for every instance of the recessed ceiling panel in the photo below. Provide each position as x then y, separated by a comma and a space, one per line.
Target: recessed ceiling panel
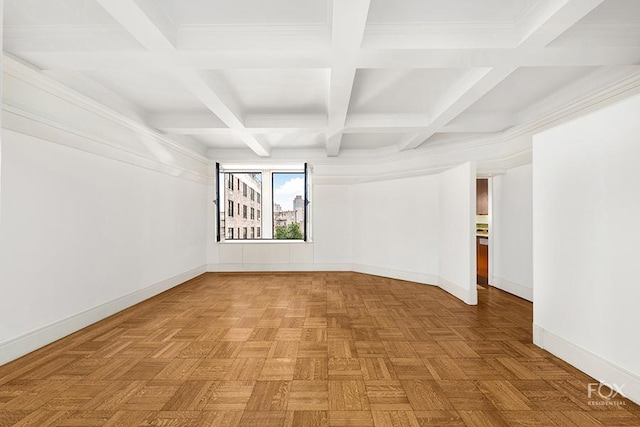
62, 25
365, 141
613, 23
152, 92
400, 91
288, 91
55, 12
222, 140
246, 12
527, 86
447, 11
294, 140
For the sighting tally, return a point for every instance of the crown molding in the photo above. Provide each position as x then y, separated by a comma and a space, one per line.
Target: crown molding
35, 105
16, 68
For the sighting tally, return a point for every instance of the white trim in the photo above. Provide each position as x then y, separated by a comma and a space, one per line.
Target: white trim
465, 295
26, 343
266, 268
590, 363
514, 288
427, 279
50, 131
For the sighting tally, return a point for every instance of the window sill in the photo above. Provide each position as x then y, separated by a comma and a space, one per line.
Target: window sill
261, 241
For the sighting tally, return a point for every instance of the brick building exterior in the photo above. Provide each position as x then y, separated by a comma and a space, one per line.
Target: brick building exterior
242, 211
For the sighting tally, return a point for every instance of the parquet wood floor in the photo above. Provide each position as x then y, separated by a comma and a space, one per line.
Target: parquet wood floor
305, 349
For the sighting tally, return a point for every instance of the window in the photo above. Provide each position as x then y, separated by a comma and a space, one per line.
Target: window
243, 219
289, 212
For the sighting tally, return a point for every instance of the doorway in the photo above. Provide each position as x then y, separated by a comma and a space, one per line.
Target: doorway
482, 231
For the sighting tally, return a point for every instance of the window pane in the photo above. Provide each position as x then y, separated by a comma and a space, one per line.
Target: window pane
288, 205
238, 189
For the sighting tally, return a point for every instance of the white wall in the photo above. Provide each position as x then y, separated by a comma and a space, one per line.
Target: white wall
586, 198
395, 228
420, 229
329, 248
84, 236
512, 232
332, 210
457, 252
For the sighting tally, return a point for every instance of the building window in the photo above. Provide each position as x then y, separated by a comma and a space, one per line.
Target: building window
243, 218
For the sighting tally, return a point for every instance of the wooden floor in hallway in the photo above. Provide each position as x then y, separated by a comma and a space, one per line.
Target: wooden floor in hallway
305, 349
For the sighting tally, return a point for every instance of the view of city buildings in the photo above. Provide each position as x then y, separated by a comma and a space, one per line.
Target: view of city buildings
242, 213
283, 218
243, 206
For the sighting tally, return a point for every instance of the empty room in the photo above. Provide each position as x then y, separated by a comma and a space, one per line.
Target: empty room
319, 213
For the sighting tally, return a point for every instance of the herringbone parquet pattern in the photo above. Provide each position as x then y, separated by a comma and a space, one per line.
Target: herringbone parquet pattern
305, 349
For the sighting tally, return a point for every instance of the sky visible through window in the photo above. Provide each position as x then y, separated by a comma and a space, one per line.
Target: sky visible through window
286, 186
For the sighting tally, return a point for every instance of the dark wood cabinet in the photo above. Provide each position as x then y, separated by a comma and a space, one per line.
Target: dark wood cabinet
482, 196
482, 260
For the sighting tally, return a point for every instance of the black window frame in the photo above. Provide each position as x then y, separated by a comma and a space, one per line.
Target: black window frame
260, 199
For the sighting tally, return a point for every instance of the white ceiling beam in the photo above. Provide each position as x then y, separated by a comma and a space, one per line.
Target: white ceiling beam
481, 122
207, 124
145, 21
181, 123
470, 88
277, 121
367, 58
551, 18
348, 24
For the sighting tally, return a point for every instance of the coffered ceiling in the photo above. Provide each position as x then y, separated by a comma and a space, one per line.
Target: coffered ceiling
335, 78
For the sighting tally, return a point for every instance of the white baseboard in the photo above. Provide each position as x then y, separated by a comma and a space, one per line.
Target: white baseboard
26, 343
590, 363
239, 267
411, 276
467, 296
512, 287
428, 279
